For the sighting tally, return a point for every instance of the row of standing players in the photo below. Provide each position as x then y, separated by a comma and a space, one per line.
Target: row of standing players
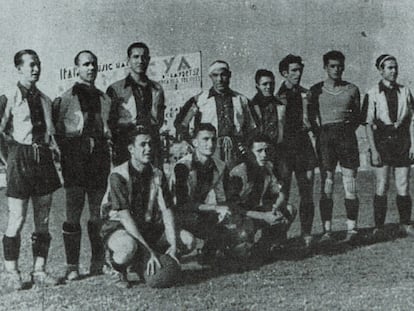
80, 122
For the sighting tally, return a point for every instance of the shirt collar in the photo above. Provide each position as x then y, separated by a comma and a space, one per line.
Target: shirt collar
133, 172
384, 88
209, 164
26, 92
213, 93
130, 82
284, 89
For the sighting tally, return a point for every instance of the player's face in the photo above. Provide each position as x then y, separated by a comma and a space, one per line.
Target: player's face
261, 152
87, 67
390, 70
221, 79
294, 74
205, 143
30, 68
266, 86
335, 69
139, 60
141, 149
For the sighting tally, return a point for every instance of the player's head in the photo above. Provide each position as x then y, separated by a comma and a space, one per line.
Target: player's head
204, 140
139, 144
334, 65
87, 63
265, 82
388, 67
27, 63
291, 68
138, 57
259, 149
220, 74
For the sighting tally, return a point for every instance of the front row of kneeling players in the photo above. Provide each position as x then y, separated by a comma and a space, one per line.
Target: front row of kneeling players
231, 211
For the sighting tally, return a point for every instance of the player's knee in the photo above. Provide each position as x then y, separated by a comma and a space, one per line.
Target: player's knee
188, 241
123, 247
15, 225
350, 186
402, 187
328, 187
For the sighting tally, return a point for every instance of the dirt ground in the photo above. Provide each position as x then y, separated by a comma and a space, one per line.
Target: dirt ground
369, 276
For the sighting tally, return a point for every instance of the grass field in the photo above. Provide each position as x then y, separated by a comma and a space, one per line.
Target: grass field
371, 276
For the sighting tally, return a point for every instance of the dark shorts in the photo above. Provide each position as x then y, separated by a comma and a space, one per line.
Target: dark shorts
200, 224
393, 145
337, 142
295, 155
82, 168
29, 172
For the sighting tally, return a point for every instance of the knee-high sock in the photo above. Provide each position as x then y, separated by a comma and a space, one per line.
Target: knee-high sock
404, 208
380, 210
11, 248
97, 245
326, 207
306, 214
352, 209
40, 244
72, 240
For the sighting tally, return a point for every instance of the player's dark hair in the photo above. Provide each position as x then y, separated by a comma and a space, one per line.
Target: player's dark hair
76, 59
379, 63
258, 138
263, 73
204, 127
333, 55
134, 130
287, 60
138, 45
18, 57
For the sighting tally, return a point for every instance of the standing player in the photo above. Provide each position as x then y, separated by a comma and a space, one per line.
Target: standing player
335, 107
225, 109
136, 100
390, 131
296, 153
81, 116
27, 124
136, 211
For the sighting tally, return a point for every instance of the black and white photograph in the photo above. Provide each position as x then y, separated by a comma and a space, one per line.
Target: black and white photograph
206, 155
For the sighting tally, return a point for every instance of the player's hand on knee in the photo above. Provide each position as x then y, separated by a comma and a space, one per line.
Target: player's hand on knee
172, 252
411, 153
273, 218
223, 211
153, 264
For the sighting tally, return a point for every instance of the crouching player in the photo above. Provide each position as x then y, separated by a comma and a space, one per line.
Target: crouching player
198, 185
256, 191
138, 223
390, 131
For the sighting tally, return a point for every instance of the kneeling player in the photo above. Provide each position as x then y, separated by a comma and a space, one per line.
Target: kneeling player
198, 184
390, 134
256, 191
136, 212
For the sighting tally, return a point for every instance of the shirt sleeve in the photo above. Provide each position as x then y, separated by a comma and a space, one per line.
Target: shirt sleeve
113, 112
356, 108
183, 200
118, 192
364, 110
370, 118
184, 117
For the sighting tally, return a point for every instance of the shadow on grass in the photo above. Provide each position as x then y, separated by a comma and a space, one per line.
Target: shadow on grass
293, 250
